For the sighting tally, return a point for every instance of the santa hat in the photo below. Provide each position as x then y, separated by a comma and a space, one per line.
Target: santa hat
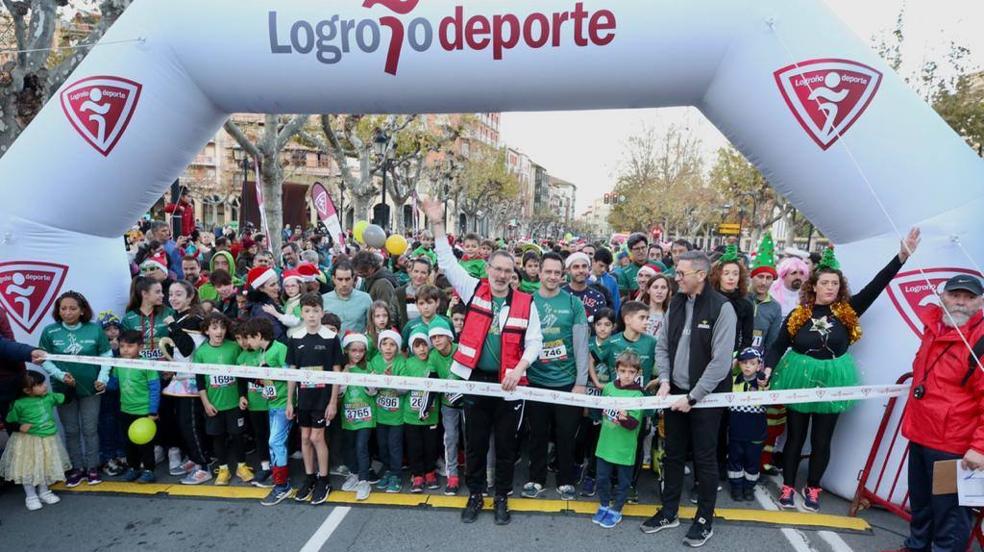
352, 337
765, 257
390, 334
308, 271
293, 274
158, 261
259, 275
440, 327
574, 257
419, 335
647, 269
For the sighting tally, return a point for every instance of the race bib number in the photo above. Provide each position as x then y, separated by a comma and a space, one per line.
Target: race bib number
152, 354
553, 351
593, 391
757, 339
416, 401
612, 415
359, 414
221, 381
269, 392
389, 403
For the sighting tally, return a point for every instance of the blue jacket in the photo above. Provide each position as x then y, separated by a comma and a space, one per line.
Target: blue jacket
12, 351
611, 284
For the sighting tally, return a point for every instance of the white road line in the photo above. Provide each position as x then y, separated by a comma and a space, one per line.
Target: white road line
331, 523
836, 543
797, 539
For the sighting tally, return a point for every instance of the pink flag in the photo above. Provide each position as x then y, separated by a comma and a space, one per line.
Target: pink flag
326, 212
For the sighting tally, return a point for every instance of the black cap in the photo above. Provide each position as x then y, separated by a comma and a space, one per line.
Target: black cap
964, 282
749, 353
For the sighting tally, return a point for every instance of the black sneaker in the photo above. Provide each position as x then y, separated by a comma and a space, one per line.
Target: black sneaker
737, 493
373, 477
699, 533
749, 493
472, 509
658, 522
263, 479
277, 495
306, 489
502, 516
321, 490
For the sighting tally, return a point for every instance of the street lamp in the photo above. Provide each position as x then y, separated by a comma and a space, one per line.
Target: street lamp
741, 220
382, 146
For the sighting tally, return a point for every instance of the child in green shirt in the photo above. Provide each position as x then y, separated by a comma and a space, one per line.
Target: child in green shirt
452, 414
224, 399
428, 299
389, 411
420, 415
358, 421
257, 406
616, 451
598, 376
140, 397
35, 456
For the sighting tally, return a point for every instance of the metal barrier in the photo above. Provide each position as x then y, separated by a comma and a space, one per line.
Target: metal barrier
867, 496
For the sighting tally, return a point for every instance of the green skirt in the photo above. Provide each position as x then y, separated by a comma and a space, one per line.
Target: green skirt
798, 371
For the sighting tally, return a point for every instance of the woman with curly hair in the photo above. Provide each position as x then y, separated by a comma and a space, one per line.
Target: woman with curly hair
813, 347
729, 276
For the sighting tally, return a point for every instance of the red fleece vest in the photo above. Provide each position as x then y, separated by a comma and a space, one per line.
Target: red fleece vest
478, 320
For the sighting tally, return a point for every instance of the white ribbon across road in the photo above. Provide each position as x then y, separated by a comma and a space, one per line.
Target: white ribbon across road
714, 400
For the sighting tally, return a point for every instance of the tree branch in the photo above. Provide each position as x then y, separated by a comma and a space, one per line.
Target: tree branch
240, 137
290, 129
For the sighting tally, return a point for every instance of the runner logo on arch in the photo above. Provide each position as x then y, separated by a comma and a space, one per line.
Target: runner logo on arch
100, 109
914, 292
827, 96
27, 290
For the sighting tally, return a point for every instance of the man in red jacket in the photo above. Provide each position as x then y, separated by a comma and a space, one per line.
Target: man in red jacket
944, 418
184, 209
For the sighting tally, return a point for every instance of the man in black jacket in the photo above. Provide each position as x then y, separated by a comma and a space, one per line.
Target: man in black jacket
12, 357
693, 359
377, 281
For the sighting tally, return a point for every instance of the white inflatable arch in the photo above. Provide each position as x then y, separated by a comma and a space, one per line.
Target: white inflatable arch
827, 122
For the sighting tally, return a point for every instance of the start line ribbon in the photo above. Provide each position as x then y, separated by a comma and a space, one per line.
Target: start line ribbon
713, 400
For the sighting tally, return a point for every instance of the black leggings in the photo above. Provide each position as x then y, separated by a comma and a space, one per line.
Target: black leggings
797, 426
191, 423
260, 420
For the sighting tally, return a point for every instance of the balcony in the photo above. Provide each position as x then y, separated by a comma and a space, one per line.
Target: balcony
206, 160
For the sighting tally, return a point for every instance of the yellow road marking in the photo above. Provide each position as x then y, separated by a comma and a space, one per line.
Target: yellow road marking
377, 498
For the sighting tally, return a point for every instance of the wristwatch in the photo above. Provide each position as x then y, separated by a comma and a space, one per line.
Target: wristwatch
690, 400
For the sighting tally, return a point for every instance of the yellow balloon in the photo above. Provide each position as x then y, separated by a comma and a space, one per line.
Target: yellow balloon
396, 244
358, 229
142, 431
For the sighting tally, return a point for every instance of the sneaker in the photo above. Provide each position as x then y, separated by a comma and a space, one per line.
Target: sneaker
373, 477
749, 493
297, 455
737, 492
147, 476
600, 514
532, 490
196, 477
811, 498
224, 476
362, 490
472, 508
174, 461
350, 482
699, 533
306, 489
341, 470
633, 497
113, 469
659, 522
430, 479
611, 519
131, 475
416, 485
245, 473
277, 495
787, 497
501, 506
451, 488
588, 486
567, 492
395, 484
694, 494
263, 479
94, 477
321, 490
33, 503
770, 470
49, 497
74, 478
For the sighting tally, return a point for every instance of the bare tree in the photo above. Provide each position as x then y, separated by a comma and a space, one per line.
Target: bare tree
37, 70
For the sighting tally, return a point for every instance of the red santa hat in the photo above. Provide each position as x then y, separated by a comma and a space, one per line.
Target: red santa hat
308, 271
259, 275
158, 261
293, 274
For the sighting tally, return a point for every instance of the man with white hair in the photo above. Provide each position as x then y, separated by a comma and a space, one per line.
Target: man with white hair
793, 271
944, 417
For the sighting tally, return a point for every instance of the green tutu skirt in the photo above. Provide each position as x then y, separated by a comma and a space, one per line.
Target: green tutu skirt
798, 371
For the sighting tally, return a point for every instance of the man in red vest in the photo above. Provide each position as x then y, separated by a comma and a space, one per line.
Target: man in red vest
500, 338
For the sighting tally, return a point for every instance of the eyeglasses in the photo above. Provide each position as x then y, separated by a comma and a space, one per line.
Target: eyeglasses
641, 247
681, 274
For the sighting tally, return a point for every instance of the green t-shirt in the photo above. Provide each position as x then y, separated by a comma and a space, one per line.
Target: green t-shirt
645, 347
557, 365
442, 365
475, 268
490, 361
418, 323
599, 353
626, 278
389, 402
37, 411
135, 390
272, 393
153, 329
617, 444
222, 391
358, 406
415, 400
85, 340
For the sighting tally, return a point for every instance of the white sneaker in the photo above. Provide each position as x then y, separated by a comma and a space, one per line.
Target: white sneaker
351, 483
362, 490
33, 503
49, 497
196, 477
296, 456
341, 470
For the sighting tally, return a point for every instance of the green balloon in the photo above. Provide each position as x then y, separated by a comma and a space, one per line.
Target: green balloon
142, 431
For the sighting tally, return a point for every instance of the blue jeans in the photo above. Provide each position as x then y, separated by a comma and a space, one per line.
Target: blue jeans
110, 437
938, 523
605, 471
357, 451
279, 430
390, 442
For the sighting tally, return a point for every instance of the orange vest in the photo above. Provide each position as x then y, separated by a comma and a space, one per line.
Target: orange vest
478, 320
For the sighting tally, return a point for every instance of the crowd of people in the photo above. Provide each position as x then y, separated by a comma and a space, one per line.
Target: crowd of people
648, 318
